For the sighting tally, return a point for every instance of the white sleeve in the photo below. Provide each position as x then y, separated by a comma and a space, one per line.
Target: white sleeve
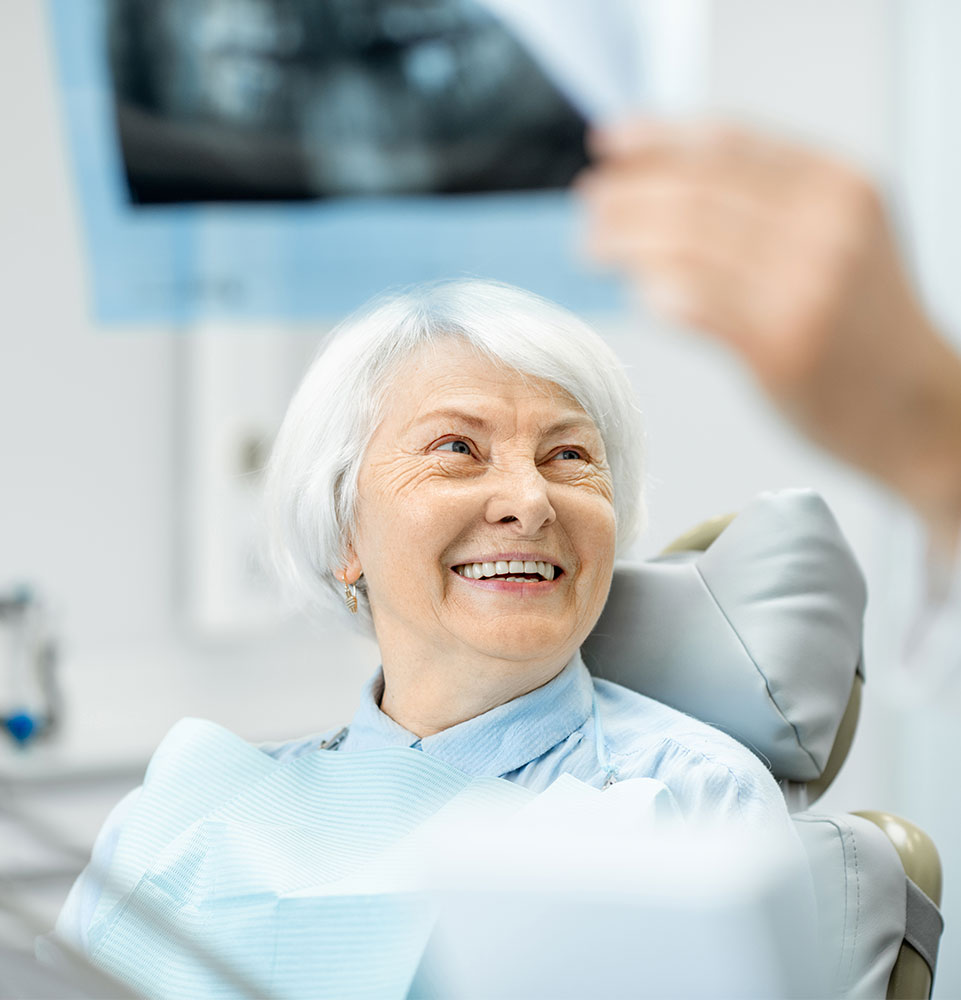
73, 924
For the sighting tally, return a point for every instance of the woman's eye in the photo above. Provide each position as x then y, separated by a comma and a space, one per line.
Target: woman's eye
569, 453
458, 447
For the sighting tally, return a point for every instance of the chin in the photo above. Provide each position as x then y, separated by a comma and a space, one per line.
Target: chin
526, 640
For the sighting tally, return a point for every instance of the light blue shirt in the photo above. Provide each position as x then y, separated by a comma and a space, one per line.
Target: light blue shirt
532, 740
551, 731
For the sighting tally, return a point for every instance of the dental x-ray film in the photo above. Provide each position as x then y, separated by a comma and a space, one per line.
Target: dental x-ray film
286, 159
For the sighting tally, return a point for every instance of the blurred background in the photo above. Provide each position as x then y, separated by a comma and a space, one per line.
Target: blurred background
146, 359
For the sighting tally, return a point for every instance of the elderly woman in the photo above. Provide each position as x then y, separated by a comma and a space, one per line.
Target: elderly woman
455, 475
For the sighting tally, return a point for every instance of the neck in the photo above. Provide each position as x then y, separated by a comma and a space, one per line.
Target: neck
427, 695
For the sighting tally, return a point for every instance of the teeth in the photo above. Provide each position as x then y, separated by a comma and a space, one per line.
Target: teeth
477, 571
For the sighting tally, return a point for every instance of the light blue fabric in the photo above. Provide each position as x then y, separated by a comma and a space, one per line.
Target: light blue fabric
534, 739
530, 741
235, 873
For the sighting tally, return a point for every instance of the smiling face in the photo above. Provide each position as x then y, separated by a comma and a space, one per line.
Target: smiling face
476, 483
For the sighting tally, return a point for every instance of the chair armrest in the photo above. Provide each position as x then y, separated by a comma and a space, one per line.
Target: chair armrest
911, 977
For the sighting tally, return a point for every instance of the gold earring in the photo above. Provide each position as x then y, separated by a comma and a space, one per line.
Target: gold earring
350, 595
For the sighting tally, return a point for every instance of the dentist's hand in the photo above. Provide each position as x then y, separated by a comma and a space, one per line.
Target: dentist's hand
788, 257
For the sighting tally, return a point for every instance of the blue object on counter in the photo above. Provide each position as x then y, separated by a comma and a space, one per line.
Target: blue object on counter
21, 727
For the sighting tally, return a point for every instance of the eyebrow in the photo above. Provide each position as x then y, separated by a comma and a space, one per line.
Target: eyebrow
472, 420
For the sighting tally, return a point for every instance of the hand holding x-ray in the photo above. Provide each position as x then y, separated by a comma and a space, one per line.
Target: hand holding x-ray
788, 256
783, 253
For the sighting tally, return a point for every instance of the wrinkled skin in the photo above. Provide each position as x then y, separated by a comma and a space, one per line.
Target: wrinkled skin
472, 459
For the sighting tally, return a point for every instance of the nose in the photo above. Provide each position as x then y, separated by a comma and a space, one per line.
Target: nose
519, 497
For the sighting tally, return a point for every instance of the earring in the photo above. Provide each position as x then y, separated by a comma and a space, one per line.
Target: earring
350, 595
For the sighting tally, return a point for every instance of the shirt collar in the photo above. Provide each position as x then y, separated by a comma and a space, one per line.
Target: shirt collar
492, 744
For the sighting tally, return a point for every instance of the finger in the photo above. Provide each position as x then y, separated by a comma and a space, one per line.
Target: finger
718, 153
630, 181
630, 137
678, 213
779, 341
739, 302
684, 283
810, 224
787, 242
641, 135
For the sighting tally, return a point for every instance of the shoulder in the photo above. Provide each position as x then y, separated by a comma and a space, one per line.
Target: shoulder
81, 904
77, 912
708, 771
634, 723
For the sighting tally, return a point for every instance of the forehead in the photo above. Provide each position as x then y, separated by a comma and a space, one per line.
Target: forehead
452, 374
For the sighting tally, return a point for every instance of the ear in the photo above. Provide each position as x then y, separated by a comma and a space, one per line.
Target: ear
352, 570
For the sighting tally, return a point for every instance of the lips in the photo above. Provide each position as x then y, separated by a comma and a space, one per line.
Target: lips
511, 570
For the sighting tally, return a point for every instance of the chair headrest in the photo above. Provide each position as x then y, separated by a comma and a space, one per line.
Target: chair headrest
760, 635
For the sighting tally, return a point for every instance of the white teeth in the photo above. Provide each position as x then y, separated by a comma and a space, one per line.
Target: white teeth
546, 570
477, 571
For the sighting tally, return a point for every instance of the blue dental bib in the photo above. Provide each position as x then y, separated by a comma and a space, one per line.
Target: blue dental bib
237, 875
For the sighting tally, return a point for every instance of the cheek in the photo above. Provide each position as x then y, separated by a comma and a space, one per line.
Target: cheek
416, 527
438, 514
595, 539
595, 521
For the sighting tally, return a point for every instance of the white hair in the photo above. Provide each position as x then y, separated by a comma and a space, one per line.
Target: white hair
313, 472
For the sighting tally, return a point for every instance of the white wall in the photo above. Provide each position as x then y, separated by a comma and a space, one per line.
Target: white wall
928, 144
90, 471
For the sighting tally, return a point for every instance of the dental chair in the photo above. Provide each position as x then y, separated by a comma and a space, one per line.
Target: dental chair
753, 624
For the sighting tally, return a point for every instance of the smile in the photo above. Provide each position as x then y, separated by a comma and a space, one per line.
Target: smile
515, 570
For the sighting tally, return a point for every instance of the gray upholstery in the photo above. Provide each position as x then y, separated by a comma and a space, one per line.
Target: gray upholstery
860, 888
760, 635
923, 924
